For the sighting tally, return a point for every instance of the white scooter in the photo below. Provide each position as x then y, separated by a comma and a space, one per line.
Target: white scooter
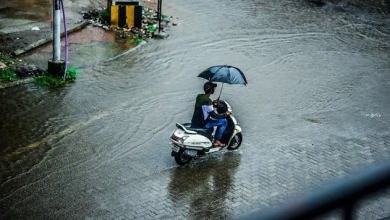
192, 143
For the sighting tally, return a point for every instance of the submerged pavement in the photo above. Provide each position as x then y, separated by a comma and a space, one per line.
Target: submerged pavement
315, 110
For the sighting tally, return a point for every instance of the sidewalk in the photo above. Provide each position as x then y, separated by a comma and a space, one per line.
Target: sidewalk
26, 34
17, 21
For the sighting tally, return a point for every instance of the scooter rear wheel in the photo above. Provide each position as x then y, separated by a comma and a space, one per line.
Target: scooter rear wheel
182, 159
235, 143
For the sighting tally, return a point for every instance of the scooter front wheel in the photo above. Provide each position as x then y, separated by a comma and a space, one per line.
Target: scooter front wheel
235, 143
182, 159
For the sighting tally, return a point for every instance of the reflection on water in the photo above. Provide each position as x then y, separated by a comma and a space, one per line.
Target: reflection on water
205, 187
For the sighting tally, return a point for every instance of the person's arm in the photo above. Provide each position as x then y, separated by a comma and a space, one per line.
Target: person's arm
208, 110
214, 115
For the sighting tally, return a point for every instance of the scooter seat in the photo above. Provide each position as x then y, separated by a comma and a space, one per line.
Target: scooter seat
207, 132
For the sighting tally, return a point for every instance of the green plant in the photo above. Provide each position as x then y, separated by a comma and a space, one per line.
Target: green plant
105, 13
8, 74
6, 60
152, 29
138, 39
49, 81
71, 74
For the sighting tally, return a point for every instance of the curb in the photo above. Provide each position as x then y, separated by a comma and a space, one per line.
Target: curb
47, 40
113, 58
4, 85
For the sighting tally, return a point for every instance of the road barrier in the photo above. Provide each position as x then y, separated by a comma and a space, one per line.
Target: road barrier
343, 194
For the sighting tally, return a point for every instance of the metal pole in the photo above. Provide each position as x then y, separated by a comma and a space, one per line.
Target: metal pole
159, 15
347, 212
56, 30
220, 92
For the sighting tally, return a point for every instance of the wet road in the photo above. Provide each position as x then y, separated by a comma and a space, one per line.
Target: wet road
316, 108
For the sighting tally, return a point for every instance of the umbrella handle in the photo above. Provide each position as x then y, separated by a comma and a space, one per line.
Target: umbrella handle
220, 92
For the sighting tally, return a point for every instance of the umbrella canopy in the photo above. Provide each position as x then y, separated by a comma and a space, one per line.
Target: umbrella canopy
224, 74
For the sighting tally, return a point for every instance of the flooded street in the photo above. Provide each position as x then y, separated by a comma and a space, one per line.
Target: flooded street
316, 108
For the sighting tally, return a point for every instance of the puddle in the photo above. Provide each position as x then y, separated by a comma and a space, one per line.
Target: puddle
86, 46
91, 34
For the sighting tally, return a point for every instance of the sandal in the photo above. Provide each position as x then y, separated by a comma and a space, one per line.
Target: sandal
219, 144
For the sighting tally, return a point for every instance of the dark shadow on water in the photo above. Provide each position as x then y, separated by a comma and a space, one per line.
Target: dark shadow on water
204, 188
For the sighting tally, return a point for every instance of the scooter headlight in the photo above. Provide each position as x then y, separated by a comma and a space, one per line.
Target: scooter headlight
182, 139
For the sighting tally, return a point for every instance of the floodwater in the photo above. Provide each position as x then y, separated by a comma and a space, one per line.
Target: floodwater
318, 84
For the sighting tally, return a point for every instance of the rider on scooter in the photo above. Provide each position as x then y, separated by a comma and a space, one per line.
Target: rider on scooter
204, 115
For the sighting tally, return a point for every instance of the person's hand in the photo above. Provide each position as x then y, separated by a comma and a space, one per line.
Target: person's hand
215, 102
228, 113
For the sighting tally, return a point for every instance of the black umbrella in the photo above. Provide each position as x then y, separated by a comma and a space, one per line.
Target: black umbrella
224, 74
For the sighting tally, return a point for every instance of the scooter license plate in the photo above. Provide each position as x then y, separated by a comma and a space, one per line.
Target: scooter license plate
175, 148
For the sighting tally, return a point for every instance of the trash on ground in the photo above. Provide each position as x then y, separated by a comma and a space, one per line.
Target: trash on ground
2, 65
